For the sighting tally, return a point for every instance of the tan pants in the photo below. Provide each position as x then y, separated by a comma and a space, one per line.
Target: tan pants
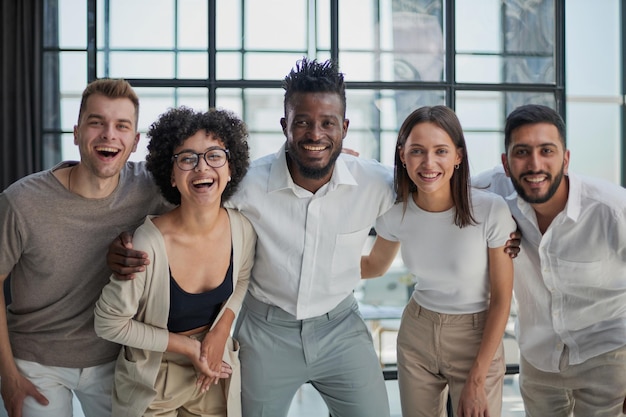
595, 387
435, 354
178, 394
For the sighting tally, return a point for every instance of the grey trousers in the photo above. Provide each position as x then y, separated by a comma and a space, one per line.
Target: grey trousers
334, 352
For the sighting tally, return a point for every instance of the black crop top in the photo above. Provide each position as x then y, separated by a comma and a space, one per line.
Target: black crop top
190, 311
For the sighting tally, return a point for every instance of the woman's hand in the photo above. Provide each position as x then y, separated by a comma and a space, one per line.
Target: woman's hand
473, 401
200, 363
211, 352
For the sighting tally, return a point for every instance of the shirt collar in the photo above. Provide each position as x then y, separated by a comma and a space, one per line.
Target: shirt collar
574, 199
280, 178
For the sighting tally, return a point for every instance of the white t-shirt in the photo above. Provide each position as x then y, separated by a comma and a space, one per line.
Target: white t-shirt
448, 263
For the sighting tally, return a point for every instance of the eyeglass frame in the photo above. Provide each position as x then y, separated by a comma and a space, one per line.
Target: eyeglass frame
198, 154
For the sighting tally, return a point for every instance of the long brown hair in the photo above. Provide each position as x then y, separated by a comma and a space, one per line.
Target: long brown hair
446, 119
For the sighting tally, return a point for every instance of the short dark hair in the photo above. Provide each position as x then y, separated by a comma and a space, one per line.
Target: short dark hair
531, 114
176, 125
111, 88
311, 76
446, 119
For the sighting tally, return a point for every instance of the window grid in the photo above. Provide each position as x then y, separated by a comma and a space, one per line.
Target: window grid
449, 87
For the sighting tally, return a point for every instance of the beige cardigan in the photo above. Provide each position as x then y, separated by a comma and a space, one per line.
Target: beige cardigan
135, 313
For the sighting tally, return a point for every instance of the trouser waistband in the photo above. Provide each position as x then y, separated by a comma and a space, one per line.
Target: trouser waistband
277, 313
447, 319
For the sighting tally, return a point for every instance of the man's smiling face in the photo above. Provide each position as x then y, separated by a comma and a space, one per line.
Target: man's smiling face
106, 134
315, 127
536, 161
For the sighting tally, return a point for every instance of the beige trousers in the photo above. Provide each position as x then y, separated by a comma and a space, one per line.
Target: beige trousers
596, 387
435, 354
178, 394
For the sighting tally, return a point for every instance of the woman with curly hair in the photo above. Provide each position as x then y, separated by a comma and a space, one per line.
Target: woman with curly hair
186, 299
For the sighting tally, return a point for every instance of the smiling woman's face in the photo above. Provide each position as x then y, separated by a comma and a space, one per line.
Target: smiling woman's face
203, 184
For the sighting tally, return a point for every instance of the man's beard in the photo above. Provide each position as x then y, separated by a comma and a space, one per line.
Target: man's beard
313, 173
542, 198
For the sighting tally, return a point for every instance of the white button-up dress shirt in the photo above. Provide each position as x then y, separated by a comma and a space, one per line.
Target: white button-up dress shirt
309, 245
570, 282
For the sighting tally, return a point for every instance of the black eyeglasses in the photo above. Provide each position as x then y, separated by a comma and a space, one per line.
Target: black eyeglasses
188, 160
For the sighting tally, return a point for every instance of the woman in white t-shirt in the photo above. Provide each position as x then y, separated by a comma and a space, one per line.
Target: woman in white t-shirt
452, 240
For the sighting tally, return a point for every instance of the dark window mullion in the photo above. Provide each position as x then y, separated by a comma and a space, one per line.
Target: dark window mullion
450, 58
92, 53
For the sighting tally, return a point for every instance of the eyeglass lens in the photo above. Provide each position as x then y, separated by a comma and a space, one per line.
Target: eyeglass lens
214, 158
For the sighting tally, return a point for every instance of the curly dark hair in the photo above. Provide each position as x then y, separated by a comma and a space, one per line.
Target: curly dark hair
176, 125
311, 76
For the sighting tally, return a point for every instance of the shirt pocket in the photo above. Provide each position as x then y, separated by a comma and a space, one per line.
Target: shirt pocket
347, 253
579, 274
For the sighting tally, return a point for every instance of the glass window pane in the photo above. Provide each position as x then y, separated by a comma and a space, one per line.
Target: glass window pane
357, 25
50, 24
323, 25
228, 24
388, 147
385, 23
593, 145
364, 130
72, 71
67, 86
418, 40
262, 144
231, 99
72, 24
269, 66
263, 109
52, 152
376, 114
360, 66
154, 28
70, 106
409, 100
136, 64
531, 70
514, 100
69, 151
392, 40
228, 66
153, 101
193, 25
516, 49
483, 150
193, 65
472, 36
480, 110
593, 56
478, 69
196, 98
529, 34
284, 24
482, 115
529, 26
